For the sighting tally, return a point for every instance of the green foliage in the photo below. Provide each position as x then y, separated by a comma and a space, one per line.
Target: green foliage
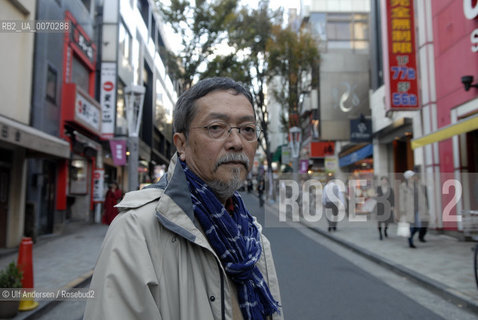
293, 57
228, 66
201, 26
11, 277
248, 34
260, 49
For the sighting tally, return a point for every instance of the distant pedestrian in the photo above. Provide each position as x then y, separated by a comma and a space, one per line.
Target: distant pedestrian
333, 200
414, 206
384, 207
249, 185
261, 186
112, 198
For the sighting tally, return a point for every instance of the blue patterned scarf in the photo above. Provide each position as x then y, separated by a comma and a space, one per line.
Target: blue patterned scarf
236, 241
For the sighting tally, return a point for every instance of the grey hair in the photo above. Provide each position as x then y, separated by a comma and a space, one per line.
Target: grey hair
185, 109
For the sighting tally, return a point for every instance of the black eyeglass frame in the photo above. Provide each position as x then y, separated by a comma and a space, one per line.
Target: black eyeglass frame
227, 133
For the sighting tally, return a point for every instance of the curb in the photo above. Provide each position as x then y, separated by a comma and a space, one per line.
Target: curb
445, 292
46, 306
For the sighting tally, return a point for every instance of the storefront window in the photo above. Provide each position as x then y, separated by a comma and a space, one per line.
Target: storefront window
79, 176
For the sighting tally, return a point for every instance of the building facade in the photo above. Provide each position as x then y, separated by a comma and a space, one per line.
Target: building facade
64, 105
438, 139
21, 141
335, 147
133, 44
63, 114
449, 139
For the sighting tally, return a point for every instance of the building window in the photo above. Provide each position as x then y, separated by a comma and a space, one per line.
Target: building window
125, 45
342, 30
152, 32
121, 122
79, 176
87, 4
51, 85
143, 9
81, 75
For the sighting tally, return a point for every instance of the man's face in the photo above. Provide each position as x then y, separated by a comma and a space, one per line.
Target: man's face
203, 153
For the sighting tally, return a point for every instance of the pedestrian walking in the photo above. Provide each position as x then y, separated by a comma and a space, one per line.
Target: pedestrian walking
332, 200
414, 206
261, 186
112, 198
187, 247
385, 202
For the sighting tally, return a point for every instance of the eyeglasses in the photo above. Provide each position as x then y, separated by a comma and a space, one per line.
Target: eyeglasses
221, 131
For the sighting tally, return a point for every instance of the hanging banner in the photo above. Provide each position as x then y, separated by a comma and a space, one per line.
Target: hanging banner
330, 164
304, 166
108, 99
286, 155
98, 185
118, 152
360, 130
401, 75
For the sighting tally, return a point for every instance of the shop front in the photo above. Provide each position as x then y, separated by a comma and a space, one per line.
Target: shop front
79, 185
451, 145
18, 143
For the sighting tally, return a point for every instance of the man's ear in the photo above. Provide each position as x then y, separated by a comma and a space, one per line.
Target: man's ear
179, 139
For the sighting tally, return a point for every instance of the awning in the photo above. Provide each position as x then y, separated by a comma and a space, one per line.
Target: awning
358, 155
397, 128
449, 131
32, 139
276, 157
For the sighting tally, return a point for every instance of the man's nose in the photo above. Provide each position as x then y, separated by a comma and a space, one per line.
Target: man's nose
234, 139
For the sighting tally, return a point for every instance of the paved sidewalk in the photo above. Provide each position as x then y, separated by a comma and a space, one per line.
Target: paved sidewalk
66, 260
442, 264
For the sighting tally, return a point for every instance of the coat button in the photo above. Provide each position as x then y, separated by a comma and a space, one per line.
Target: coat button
212, 298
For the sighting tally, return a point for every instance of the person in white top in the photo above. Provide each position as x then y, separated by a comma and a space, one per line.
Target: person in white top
333, 200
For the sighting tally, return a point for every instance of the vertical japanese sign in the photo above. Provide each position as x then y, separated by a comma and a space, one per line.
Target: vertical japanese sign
118, 152
108, 99
402, 62
98, 185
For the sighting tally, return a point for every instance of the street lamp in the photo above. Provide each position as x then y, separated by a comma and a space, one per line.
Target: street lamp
134, 98
295, 134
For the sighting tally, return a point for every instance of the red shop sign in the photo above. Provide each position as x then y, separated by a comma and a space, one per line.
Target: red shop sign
402, 63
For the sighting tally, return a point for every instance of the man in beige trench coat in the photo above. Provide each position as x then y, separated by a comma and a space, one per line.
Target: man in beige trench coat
186, 247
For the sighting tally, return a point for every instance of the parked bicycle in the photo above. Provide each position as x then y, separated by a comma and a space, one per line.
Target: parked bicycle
470, 229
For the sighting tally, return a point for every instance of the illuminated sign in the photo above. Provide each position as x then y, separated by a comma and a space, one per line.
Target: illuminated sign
470, 9
87, 112
402, 64
322, 149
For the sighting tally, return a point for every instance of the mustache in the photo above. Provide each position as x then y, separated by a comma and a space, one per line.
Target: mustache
233, 157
